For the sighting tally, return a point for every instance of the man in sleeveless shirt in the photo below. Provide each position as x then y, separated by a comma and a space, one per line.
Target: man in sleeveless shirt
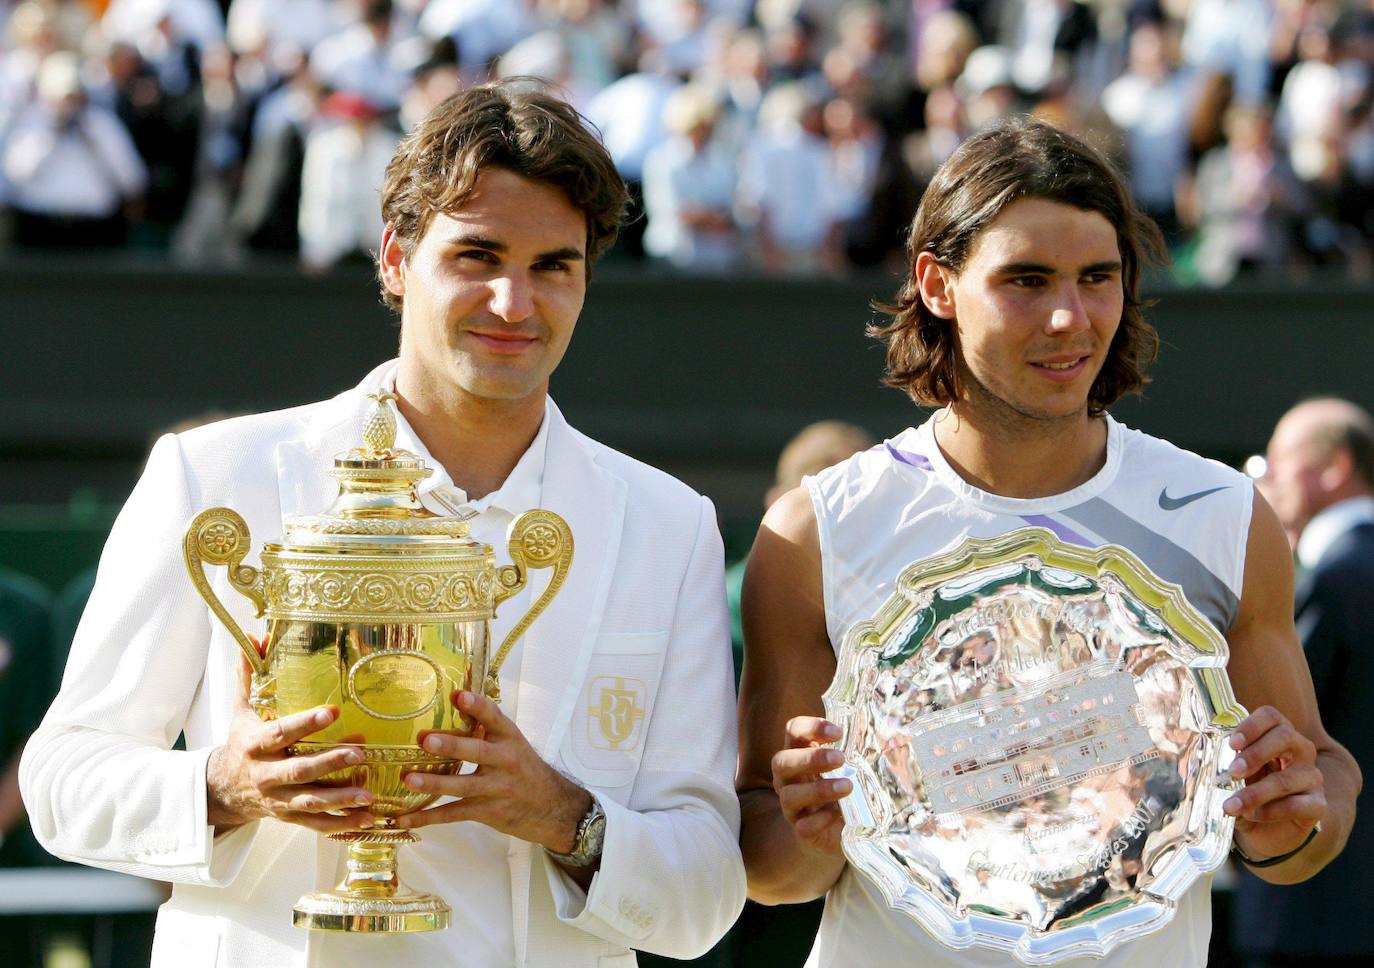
1020, 319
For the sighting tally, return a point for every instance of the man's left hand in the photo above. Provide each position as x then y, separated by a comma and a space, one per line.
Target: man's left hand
1284, 794
513, 790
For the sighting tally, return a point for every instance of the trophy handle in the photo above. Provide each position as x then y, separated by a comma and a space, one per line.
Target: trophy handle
219, 536
538, 539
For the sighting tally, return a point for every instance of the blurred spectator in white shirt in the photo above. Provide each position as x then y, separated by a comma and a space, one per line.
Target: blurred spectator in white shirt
785, 189
629, 114
71, 19
823, 14
792, 50
367, 58
203, 237
482, 30
341, 183
275, 24
436, 80
940, 41
985, 86
1232, 37
544, 54
661, 20
856, 146
70, 166
198, 22
165, 131
1325, 96
1152, 104
595, 36
1245, 198
739, 81
266, 215
946, 128
1040, 33
1312, 104
32, 36
170, 35
904, 171
685, 44
689, 189
864, 41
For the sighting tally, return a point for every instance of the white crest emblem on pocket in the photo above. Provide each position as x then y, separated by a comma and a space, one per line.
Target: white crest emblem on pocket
616, 712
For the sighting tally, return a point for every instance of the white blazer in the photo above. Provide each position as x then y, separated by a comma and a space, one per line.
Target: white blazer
643, 601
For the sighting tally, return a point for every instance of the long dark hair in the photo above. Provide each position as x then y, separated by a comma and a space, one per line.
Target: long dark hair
1019, 158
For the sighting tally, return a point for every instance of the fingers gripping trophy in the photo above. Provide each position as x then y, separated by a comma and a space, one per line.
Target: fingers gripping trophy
381, 609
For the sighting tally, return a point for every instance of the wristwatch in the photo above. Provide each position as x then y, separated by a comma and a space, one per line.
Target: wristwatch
587, 841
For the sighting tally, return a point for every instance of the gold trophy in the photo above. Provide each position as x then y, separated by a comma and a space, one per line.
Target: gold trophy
381, 608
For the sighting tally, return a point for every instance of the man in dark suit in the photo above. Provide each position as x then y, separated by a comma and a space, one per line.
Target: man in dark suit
1320, 480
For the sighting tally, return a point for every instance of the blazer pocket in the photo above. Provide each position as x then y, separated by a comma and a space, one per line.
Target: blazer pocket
614, 710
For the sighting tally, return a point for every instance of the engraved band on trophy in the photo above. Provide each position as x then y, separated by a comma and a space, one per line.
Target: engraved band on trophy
1036, 734
381, 608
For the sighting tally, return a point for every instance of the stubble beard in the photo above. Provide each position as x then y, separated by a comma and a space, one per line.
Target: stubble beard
1003, 417
497, 385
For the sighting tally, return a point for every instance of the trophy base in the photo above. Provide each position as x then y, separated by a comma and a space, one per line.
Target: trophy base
371, 898
328, 911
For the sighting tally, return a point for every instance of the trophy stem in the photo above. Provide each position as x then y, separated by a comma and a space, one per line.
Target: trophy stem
371, 899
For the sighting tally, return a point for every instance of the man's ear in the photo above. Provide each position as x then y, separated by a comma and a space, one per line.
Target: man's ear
1339, 470
936, 284
391, 261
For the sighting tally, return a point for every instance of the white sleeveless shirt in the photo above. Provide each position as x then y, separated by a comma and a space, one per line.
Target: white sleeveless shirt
1186, 517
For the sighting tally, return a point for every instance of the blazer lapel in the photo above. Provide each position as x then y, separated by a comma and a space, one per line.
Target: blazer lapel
559, 645
303, 463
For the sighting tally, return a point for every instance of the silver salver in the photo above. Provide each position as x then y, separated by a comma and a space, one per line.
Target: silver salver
1036, 733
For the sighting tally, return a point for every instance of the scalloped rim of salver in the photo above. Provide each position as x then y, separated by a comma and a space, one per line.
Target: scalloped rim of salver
1074, 937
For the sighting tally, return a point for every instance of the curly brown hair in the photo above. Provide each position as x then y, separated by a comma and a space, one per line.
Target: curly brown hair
513, 124
1016, 159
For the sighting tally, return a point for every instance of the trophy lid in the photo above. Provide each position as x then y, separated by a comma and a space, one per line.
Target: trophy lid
377, 506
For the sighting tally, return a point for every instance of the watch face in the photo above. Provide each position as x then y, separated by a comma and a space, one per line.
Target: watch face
596, 835
591, 831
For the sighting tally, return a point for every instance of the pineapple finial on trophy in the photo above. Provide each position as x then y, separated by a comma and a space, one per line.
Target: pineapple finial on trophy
379, 426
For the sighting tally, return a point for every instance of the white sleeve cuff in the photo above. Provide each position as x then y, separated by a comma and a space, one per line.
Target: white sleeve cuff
569, 900
223, 855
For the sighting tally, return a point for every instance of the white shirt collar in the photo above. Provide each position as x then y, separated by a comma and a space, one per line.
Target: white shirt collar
522, 489
1328, 526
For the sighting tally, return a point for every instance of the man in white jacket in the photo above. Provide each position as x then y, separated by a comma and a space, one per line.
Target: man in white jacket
564, 848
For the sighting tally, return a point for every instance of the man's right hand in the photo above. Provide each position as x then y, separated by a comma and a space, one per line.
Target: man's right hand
809, 801
790, 820
251, 776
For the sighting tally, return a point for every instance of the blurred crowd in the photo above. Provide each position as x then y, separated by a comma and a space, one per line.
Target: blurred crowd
788, 136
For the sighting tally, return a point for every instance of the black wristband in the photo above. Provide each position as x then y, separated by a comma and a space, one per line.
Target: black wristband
1272, 861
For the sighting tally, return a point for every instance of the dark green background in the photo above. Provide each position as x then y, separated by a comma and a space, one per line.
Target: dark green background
704, 377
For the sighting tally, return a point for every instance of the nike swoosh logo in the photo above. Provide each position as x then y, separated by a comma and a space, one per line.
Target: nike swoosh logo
1174, 503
